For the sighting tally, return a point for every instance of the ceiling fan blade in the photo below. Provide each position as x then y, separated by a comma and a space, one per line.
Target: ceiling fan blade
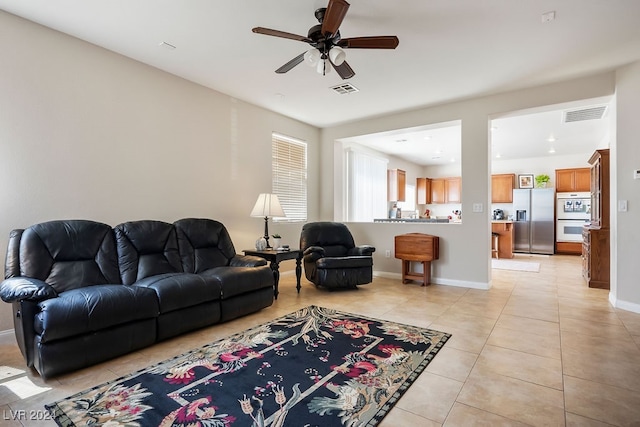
335, 13
289, 65
344, 70
371, 42
278, 33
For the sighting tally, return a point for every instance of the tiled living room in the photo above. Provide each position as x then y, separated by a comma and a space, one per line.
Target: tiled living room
91, 130
536, 349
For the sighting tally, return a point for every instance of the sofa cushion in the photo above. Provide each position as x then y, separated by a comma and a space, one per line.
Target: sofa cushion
146, 248
90, 309
235, 281
69, 254
203, 244
175, 291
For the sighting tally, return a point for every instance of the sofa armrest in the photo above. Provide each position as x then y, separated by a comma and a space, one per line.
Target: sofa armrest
25, 288
313, 253
363, 250
247, 261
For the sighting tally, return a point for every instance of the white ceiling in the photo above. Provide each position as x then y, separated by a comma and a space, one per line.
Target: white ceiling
449, 50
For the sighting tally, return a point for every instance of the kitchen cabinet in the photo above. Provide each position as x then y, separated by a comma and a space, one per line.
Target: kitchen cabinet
502, 188
572, 180
423, 190
446, 190
596, 236
396, 185
504, 230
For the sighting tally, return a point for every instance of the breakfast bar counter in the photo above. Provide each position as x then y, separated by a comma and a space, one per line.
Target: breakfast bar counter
504, 229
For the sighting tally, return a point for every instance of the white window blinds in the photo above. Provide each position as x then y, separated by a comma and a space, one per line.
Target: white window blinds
289, 176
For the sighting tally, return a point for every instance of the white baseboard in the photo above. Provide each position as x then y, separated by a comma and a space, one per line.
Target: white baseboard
7, 332
438, 281
624, 305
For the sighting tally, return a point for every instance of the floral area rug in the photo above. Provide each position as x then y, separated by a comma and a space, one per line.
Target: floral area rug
313, 367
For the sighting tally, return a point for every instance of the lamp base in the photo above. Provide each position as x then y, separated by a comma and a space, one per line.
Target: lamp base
266, 231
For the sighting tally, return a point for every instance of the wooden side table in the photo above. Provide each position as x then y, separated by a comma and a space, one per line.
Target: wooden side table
275, 257
417, 247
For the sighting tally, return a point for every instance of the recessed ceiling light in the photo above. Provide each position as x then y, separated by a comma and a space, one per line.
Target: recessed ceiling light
552, 150
551, 139
498, 156
548, 17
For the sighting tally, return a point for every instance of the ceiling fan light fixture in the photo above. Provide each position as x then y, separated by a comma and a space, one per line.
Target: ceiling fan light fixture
312, 57
337, 55
323, 67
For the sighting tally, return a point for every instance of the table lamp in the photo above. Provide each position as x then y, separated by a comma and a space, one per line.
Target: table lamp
267, 205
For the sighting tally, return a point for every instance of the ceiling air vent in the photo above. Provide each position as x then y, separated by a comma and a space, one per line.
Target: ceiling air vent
589, 113
345, 88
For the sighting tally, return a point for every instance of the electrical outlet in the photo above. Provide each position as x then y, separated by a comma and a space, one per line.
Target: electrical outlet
387, 253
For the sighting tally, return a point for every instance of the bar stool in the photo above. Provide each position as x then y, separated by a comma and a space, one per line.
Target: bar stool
495, 246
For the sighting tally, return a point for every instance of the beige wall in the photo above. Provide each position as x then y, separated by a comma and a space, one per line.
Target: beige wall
464, 248
87, 133
625, 158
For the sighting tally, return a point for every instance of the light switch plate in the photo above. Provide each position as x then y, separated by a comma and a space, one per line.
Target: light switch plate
622, 205
477, 207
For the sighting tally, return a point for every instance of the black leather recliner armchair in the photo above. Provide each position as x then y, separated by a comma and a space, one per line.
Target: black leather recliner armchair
331, 258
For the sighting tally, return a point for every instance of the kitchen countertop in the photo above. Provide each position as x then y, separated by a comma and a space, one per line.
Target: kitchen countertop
425, 220
501, 221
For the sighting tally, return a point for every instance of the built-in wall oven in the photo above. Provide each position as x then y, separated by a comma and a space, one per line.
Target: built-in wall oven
573, 211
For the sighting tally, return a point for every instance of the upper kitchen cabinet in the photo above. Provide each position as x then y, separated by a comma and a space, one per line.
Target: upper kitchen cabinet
396, 185
446, 190
571, 180
502, 188
423, 190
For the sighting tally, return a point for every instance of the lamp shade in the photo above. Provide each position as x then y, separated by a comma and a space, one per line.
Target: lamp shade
337, 55
323, 67
267, 205
311, 57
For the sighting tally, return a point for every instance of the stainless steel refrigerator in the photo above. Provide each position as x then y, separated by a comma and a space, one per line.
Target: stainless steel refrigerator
534, 225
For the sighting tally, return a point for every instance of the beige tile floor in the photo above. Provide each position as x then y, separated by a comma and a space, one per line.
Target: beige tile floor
537, 349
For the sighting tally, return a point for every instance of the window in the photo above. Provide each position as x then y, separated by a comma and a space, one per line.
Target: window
366, 190
289, 176
409, 205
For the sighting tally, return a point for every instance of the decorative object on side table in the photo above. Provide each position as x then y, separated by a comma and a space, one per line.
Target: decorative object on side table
277, 239
525, 181
261, 244
267, 205
542, 180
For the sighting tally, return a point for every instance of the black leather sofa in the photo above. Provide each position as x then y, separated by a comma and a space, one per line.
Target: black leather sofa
84, 292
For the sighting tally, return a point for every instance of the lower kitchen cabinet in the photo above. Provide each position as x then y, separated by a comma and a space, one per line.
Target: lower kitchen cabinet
595, 257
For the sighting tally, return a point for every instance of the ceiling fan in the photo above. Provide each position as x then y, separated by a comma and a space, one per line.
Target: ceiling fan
326, 42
